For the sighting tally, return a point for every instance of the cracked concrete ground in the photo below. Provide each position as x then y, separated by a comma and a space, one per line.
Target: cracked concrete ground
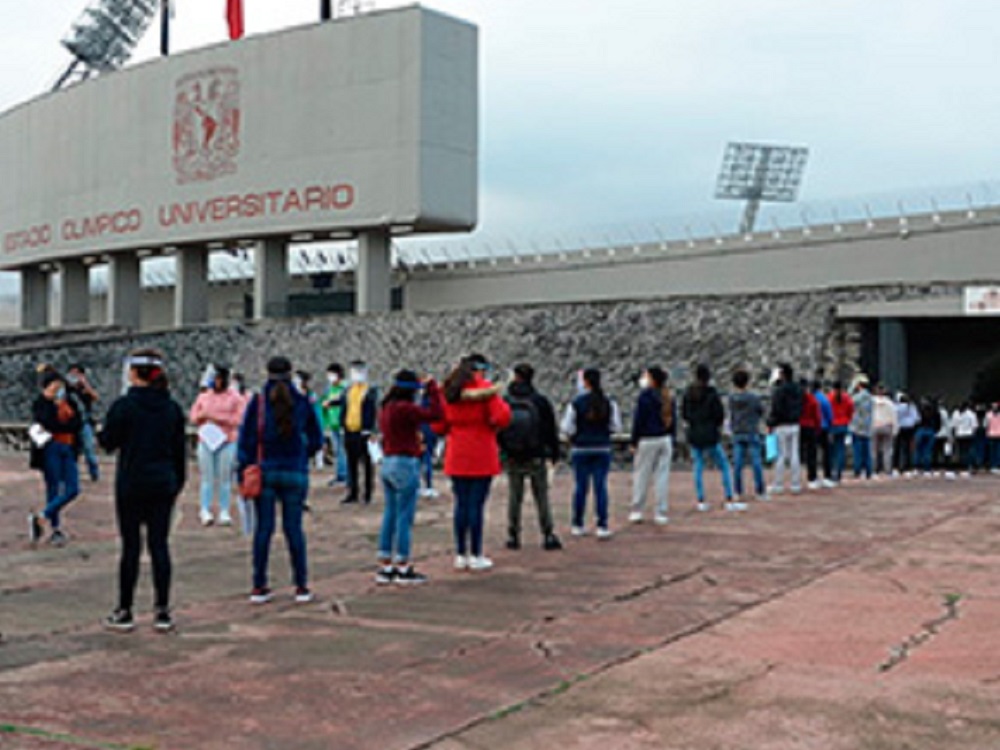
759, 630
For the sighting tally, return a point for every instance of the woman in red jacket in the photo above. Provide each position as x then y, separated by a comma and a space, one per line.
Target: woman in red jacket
843, 412
474, 413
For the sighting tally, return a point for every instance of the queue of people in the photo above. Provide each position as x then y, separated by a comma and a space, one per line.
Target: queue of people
488, 428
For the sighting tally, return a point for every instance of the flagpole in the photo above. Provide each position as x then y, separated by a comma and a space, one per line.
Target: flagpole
165, 28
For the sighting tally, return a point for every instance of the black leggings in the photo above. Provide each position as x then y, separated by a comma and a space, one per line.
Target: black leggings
356, 447
155, 514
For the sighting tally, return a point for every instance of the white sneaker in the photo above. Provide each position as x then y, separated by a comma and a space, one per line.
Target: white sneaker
430, 493
704, 507
765, 498
949, 475
225, 519
578, 531
796, 490
816, 485
461, 562
604, 534
895, 473
736, 506
828, 484
480, 563
661, 520
994, 471
207, 519
635, 517
776, 490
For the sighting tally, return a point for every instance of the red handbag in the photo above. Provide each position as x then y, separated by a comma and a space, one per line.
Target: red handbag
252, 483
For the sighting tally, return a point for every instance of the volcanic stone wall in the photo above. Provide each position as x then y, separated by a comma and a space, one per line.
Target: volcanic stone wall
619, 337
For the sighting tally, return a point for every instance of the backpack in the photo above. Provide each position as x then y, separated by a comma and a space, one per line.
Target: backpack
523, 438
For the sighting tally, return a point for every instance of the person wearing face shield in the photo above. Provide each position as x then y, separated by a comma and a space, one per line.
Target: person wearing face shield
360, 425
333, 419
57, 427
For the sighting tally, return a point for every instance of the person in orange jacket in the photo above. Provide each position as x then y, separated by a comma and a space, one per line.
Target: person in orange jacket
473, 415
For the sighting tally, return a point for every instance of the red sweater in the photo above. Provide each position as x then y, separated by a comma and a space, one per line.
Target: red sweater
812, 416
400, 423
471, 427
843, 411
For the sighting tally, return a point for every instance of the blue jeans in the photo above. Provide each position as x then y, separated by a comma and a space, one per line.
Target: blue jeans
839, 436
591, 467
471, 494
340, 457
401, 480
62, 480
216, 469
925, 448
427, 460
89, 446
743, 446
717, 455
291, 489
862, 448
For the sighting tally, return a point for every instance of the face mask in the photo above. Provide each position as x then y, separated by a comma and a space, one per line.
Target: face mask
61, 394
72, 379
359, 376
644, 382
334, 379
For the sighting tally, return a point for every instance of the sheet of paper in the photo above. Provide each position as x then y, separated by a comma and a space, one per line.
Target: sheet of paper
375, 452
212, 436
39, 435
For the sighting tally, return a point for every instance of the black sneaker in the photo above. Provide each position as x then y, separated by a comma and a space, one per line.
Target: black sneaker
162, 620
409, 577
120, 620
513, 542
349, 501
58, 539
385, 576
35, 529
551, 543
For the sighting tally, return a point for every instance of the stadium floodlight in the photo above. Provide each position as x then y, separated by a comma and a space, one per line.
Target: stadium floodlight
106, 34
756, 172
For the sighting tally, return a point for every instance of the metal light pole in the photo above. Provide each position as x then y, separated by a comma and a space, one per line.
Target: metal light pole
755, 172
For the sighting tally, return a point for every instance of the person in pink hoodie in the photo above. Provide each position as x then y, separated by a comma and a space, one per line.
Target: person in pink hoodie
217, 413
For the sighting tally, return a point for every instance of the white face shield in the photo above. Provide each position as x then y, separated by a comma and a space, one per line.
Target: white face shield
359, 375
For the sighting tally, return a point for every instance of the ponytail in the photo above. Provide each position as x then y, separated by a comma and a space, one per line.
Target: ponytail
599, 406
283, 408
668, 406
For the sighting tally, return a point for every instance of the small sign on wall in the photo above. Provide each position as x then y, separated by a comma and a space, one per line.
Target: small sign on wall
982, 300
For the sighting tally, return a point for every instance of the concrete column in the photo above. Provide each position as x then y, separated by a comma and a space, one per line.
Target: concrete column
191, 291
893, 358
270, 284
124, 290
34, 298
74, 304
374, 278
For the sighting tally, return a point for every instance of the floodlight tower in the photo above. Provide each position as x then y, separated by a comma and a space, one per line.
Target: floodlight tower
105, 36
756, 172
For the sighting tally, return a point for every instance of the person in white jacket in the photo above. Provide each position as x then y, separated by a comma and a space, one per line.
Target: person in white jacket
964, 422
885, 427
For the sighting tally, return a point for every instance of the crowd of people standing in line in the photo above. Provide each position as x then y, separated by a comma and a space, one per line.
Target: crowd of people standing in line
487, 428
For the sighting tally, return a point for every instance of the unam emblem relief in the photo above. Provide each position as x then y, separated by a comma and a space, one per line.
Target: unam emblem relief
207, 124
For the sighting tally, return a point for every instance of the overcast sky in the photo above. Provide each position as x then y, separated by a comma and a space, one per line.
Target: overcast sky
599, 112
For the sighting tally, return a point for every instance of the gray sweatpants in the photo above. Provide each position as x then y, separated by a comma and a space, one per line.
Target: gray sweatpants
652, 461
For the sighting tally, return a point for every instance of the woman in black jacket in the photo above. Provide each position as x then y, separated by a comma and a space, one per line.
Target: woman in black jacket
704, 414
53, 410
147, 427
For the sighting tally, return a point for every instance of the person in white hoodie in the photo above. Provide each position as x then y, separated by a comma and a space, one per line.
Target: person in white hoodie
965, 423
885, 427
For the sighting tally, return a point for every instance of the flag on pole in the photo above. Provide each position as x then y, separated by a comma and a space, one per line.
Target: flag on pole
234, 15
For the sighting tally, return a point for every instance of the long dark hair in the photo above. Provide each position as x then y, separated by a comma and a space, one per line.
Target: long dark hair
152, 374
599, 406
282, 402
459, 378
406, 386
658, 376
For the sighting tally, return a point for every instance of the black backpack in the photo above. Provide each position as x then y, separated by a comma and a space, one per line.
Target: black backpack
523, 438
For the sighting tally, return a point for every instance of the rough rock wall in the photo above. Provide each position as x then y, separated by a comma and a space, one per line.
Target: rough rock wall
619, 337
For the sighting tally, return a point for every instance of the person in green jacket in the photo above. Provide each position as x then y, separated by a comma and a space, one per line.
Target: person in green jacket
333, 419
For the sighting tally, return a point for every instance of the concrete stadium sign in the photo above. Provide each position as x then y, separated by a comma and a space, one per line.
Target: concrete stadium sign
364, 123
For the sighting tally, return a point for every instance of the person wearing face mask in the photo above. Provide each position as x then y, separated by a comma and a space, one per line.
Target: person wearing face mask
55, 453
217, 414
360, 424
333, 418
653, 430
